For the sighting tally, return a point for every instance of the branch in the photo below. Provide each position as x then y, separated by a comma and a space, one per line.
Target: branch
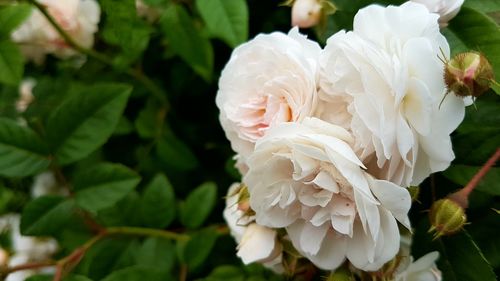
67, 263
28, 266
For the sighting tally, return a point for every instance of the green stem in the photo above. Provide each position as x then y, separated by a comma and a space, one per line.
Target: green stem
137, 75
139, 231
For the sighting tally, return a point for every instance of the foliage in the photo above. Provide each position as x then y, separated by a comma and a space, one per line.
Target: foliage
131, 134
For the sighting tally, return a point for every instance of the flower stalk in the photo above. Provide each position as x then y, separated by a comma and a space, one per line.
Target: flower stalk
461, 197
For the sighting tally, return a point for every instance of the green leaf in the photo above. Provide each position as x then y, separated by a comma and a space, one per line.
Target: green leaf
149, 120
485, 233
85, 121
158, 253
477, 31
76, 278
105, 257
23, 153
46, 215
124, 127
103, 185
12, 16
462, 174
198, 205
185, 40
125, 30
137, 273
226, 273
11, 63
125, 212
158, 203
226, 19
485, 113
484, 6
175, 153
466, 261
198, 248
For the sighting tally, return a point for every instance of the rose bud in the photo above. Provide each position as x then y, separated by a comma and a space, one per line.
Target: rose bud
468, 74
306, 13
447, 217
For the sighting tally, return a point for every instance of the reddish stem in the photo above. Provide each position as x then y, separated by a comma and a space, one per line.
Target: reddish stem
481, 173
462, 196
59, 273
33, 265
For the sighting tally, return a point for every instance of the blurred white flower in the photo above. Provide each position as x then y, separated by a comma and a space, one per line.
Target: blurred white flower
306, 13
384, 82
256, 243
447, 9
46, 184
306, 178
25, 94
268, 80
25, 249
37, 37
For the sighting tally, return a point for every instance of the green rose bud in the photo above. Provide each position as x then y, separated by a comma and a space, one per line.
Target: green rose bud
447, 217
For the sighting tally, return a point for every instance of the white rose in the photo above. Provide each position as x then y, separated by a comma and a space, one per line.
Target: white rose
447, 9
36, 249
256, 243
384, 82
306, 13
306, 178
79, 18
268, 80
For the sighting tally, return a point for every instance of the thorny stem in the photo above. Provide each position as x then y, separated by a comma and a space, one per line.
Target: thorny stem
137, 75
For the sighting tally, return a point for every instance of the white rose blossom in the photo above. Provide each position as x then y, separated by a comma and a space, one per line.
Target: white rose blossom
447, 9
256, 243
26, 249
306, 178
384, 82
268, 80
37, 37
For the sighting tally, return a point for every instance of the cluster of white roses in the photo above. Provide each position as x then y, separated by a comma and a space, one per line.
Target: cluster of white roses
328, 140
